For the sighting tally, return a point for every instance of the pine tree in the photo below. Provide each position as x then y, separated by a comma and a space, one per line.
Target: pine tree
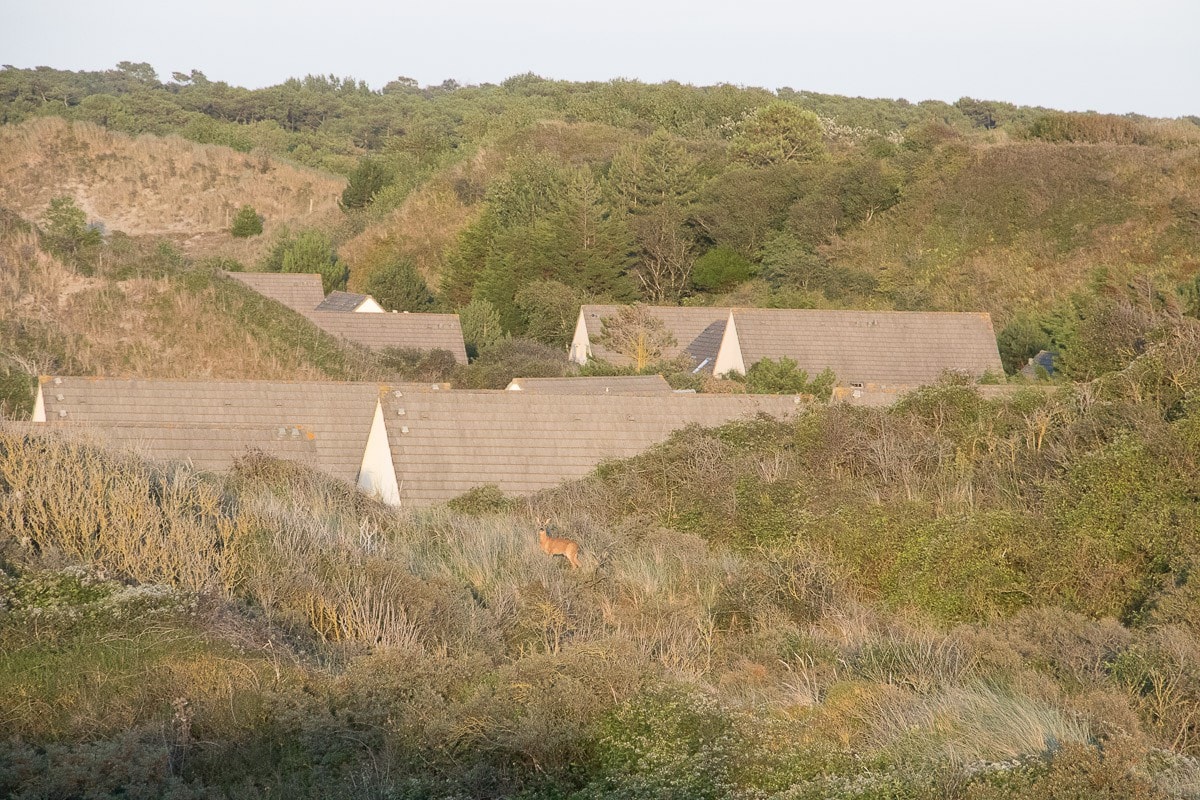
246, 223
398, 286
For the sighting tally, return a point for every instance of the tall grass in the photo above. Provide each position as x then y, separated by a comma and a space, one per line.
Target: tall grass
447, 646
161, 186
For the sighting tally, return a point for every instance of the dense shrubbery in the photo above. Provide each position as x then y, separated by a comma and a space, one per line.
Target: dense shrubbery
246, 223
533, 191
956, 597
912, 602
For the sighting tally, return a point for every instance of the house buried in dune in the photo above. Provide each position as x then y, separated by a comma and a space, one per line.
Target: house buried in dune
211, 423
350, 302
408, 444
445, 443
358, 318
896, 348
299, 292
695, 332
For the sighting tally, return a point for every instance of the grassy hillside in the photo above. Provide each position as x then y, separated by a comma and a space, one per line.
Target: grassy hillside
138, 307
159, 186
951, 599
535, 194
1022, 226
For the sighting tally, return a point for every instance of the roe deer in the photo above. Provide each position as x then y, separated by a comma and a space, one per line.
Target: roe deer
554, 546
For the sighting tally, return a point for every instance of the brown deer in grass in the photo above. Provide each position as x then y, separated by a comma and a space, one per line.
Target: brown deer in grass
555, 546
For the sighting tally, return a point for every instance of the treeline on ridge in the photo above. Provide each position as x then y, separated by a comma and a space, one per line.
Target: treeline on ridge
521, 200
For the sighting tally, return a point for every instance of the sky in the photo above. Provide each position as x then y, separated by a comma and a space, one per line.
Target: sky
1113, 56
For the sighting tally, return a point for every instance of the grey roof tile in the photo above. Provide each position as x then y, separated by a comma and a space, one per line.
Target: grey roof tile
341, 301
299, 292
450, 442
408, 331
692, 329
895, 347
614, 384
206, 418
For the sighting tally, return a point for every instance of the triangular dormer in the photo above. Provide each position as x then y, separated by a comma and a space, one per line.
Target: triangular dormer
729, 355
377, 475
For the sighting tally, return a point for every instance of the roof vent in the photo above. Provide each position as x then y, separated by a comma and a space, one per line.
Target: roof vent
295, 432
62, 412
399, 412
59, 397
398, 394
58, 381
404, 429
283, 431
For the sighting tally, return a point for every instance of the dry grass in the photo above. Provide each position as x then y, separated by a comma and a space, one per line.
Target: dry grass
150, 525
970, 725
159, 186
53, 319
462, 599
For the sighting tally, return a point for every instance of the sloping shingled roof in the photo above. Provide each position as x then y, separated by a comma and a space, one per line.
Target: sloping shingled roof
687, 325
409, 331
445, 443
898, 347
614, 384
303, 293
212, 422
341, 301
300, 293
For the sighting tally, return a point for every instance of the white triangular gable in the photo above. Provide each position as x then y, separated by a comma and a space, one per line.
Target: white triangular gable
377, 475
39, 407
369, 306
729, 355
581, 347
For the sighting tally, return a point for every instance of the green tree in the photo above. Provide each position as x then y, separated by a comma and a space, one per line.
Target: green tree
784, 376
652, 172
720, 269
246, 223
398, 286
368, 177
788, 263
778, 133
66, 229
1021, 339
312, 251
480, 326
590, 247
551, 309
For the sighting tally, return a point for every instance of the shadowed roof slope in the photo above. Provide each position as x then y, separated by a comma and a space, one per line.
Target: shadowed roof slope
898, 347
408, 331
341, 301
211, 422
445, 443
687, 325
614, 384
300, 293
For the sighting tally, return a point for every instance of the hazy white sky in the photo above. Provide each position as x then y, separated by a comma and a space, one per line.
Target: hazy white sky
1106, 55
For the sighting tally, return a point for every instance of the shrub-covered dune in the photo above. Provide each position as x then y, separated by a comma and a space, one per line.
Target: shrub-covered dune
953, 598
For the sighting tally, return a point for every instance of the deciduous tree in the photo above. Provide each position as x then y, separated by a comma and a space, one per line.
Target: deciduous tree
636, 334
